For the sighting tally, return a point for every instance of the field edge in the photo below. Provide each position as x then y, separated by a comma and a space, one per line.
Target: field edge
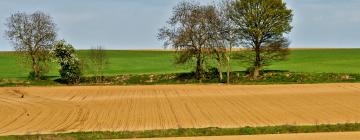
195, 132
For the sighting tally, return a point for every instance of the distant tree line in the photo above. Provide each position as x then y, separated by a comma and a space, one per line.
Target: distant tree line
203, 33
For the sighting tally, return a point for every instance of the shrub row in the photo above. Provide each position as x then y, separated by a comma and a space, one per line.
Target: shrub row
268, 77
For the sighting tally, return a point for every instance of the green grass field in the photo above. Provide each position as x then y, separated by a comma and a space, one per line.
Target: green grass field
145, 62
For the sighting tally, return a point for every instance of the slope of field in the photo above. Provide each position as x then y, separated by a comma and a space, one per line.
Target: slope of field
140, 62
29, 110
315, 136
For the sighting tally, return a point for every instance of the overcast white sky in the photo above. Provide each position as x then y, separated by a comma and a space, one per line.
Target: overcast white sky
133, 24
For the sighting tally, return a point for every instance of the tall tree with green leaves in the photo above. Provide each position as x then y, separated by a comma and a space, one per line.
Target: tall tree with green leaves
260, 26
33, 36
191, 33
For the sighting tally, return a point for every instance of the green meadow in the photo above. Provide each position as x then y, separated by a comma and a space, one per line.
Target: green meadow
156, 62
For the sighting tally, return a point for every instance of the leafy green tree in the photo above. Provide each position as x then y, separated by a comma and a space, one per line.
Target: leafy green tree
260, 26
70, 70
33, 36
191, 33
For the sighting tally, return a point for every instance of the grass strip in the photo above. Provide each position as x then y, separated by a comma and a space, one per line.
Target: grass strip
193, 132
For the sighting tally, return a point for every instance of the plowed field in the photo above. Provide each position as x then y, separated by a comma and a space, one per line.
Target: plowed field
30, 110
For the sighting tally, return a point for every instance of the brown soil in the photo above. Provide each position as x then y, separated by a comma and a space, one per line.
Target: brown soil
119, 108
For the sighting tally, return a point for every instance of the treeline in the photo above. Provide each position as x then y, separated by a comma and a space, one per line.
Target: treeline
34, 38
200, 34
203, 33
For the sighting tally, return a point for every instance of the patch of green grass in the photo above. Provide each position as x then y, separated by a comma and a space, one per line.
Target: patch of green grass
321, 61
156, 62
193, 132
12, 69
139, 62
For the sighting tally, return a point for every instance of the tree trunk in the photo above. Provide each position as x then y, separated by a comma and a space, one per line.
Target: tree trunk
220, 75
219, 65
257, 65
35, 68
228, 72
199, 68
256, 72
220, 72
36, 73
228, 66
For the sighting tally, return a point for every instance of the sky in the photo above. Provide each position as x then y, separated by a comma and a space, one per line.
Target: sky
134, 24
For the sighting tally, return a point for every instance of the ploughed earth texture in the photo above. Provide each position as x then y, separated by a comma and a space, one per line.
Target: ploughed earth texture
42, 110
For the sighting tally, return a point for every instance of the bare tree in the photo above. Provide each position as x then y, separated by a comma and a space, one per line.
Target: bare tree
219, 53
191, 32
33, 36
99, 60
227, 36
261, 25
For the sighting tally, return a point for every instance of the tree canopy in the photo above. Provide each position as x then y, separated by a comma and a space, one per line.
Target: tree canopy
33, 36
192, 32
261, 25
71, 69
